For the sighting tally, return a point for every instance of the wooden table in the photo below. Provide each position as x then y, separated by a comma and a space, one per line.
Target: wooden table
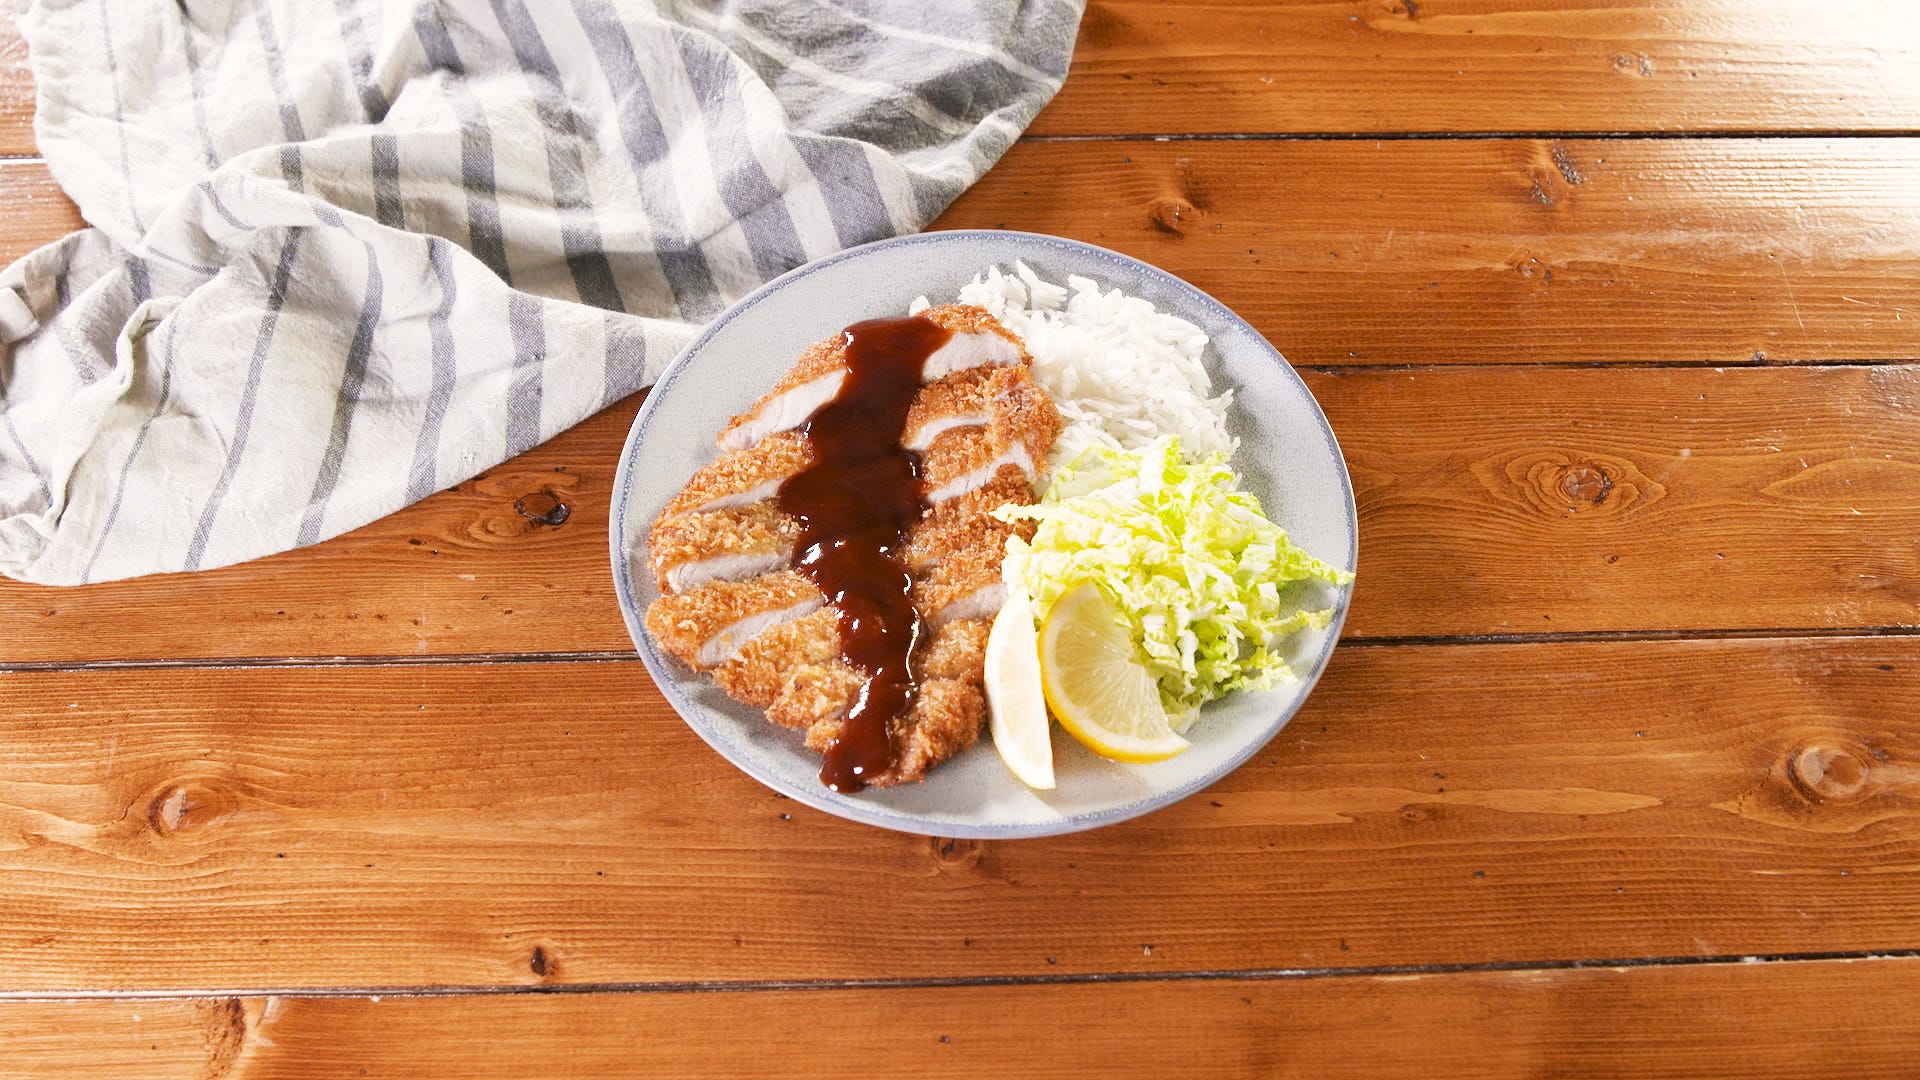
1615, 309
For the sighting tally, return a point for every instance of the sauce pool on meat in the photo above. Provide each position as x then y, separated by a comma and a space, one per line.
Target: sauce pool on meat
854, 504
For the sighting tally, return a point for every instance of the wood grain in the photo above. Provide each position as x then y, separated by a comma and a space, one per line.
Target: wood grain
1510, 502
16, 88
1171, 66
526, 824
36, 211
1721, 251
1492, 501
1489, 65
1470, 251
1817, 1019
473, 569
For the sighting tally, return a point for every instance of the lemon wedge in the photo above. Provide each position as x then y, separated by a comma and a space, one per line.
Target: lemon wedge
1098, 691
1016, 707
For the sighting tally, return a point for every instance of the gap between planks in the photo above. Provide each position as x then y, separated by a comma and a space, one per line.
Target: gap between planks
1417, 136
1408, 136
607, 656
1084, 978
1474, 136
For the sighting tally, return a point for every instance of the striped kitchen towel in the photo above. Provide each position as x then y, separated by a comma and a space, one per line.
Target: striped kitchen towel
344, 254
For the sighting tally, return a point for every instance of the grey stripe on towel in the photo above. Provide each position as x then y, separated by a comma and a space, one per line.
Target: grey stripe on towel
379, 247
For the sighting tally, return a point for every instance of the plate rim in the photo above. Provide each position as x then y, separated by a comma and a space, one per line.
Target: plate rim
666, 677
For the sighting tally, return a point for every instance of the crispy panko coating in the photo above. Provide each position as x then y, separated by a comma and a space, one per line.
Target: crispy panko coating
978, 340
758, 674
945, 719
743, 477
720, 551
705, 627
1006, 399
731, 544
958, 651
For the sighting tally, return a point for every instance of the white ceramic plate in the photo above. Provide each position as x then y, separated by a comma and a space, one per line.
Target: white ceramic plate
1287, 457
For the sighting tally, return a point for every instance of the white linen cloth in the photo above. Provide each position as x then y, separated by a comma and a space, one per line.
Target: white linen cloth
345, 253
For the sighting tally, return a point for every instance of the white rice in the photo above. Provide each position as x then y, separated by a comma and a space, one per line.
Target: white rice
1121, 372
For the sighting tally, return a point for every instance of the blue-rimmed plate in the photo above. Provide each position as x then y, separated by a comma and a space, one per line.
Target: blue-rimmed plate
1287, 457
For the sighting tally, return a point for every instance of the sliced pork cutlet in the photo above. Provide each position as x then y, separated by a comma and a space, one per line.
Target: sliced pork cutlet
966, 521
973, 424
1007, 397
721, 549
761, 671
798, 663
945, 718
708, 626
742, 477
731, 544
978, 340
964, 585
1021, 426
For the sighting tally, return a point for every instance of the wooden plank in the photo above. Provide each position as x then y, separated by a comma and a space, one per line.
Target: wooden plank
1492, 501
37, 211
16, 88
1171, 66
1472, 251
473, 569
1495, 501
1817, 1018
1488, 65
1469, 251
523, 824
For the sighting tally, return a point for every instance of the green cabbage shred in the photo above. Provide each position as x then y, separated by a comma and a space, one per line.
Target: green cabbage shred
1189, 558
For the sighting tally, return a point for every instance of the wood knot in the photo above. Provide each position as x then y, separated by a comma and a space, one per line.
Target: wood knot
543, 508
542, 963
189, 806
953, 854
1171, 214
1586, 483
1829, 773
1562, 483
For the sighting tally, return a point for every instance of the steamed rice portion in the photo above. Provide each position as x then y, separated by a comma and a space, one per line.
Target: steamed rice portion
1121, 372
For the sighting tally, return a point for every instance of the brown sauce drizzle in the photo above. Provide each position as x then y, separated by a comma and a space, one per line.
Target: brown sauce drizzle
855, 504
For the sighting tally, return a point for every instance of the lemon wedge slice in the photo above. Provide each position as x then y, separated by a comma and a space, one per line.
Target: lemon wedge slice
1016, 707
1098, 691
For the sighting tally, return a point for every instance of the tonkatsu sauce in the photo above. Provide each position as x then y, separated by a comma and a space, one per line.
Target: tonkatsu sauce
855, 503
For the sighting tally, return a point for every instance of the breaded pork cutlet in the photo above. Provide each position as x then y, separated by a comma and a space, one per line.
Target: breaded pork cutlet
978, 340
966, 522
1007, 398
720, 545
706, 627
1008, 419
742, 477
722, 549
759, 673
966, 585
945, 718
723, 525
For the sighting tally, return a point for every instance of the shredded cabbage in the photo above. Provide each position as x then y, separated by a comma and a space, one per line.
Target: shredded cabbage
1189, 558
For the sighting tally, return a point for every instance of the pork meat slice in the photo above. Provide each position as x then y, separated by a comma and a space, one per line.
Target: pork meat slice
708, 626
978, 340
